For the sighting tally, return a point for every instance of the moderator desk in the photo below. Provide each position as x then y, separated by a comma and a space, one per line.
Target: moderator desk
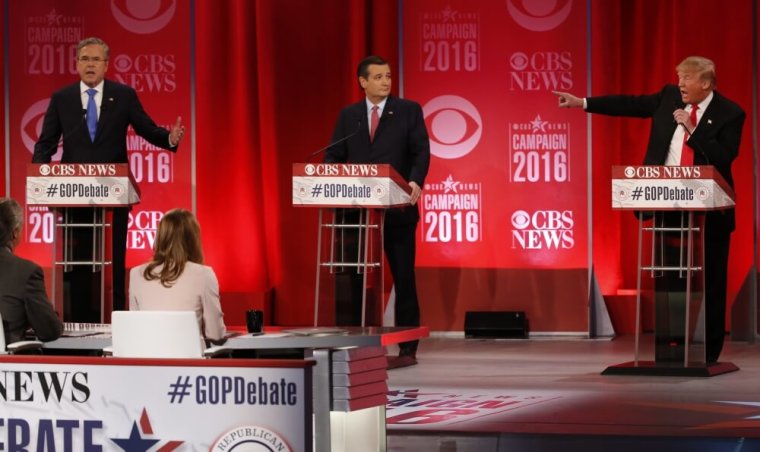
329, 351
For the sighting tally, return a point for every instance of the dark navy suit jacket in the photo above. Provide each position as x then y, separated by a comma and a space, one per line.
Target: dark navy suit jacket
715, 140
401, 140
120, 107
23, 300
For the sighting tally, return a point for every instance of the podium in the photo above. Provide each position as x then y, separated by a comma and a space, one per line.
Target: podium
674, 199
355, 238
99, 186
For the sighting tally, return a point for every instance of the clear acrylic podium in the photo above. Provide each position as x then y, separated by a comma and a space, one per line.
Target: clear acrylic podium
366, 190
670, 203
100, 186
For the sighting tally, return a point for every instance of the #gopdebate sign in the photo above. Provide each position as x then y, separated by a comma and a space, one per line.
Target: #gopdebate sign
157, 405
80, 184
670, 188
348, 185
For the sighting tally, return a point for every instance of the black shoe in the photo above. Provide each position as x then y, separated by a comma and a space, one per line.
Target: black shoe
407, 351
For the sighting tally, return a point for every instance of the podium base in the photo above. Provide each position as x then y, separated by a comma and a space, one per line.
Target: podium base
654, 369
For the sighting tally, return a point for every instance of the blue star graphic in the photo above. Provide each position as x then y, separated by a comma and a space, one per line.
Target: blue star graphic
135, 442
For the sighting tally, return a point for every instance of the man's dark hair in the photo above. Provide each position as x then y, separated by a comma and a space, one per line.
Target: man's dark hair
363, 69
94, 41
11, 220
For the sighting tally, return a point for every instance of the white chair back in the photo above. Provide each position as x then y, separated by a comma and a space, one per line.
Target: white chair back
3, 351
156, 334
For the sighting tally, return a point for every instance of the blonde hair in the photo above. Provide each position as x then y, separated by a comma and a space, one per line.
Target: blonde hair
702, 66
178, 242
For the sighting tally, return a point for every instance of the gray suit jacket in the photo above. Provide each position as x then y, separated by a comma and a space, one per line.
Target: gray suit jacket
23, 300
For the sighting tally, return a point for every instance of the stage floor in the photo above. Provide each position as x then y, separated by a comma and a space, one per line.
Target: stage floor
548, 395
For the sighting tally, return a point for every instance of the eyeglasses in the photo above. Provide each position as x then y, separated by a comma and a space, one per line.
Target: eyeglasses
95, 60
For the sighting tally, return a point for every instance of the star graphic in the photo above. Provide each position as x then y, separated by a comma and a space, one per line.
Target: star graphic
53, 18
135, 442
538, 124
450, 185
449, 14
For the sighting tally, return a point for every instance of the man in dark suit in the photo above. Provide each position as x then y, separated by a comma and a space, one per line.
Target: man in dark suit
93, 116
386, 129
23, 300
692, 124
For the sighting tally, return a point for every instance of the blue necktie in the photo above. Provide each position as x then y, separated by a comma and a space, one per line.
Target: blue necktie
92, 114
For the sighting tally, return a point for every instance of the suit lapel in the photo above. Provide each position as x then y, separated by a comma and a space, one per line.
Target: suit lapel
712, 115
387, 116
107, 104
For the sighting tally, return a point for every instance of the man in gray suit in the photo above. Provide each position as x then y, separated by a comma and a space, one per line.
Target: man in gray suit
23, 300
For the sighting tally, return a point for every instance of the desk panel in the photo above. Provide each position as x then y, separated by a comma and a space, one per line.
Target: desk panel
84, 403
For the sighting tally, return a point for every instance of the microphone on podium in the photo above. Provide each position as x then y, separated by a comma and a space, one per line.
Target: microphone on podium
339, 141
66, 133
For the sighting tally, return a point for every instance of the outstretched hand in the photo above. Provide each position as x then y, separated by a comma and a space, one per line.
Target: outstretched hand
567, 100
177, 132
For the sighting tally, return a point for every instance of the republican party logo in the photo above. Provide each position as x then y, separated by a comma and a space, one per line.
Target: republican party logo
454, 125
539, 15
143, 16
251, 438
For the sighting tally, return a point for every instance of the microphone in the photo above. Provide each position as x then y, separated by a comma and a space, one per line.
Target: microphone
681, 106
318, 151
75, 128
696, 147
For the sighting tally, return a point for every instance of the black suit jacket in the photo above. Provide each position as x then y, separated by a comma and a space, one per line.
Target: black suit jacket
23, 300
715, 140
120, 107
401, 140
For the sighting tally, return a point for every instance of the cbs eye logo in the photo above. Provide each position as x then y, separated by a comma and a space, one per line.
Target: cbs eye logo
454, 125
520, 219
541, 15
122, 63
31, 127
143, 17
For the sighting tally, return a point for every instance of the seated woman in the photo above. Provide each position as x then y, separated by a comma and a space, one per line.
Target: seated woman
23, 300
176, 279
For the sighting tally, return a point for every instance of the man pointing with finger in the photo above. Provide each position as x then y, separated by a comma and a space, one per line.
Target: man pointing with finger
691, 124
93, 116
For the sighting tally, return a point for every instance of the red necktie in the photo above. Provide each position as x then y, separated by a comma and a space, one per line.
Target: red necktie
374, 121
687, 153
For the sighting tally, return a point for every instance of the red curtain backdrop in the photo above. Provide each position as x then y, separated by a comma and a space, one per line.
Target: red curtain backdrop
635, 48
271, 76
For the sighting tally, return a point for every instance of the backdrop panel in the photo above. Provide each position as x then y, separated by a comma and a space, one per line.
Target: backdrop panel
505, 200
150, 51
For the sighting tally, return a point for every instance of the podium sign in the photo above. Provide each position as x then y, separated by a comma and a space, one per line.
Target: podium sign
98, 186
676, 263
348, 185
695, 188
355, 239
80, 184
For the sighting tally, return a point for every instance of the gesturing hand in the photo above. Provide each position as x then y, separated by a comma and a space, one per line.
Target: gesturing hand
177, 132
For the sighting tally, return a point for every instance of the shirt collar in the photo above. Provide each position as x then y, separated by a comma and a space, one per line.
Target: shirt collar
83, 87
706, 101
380, 106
